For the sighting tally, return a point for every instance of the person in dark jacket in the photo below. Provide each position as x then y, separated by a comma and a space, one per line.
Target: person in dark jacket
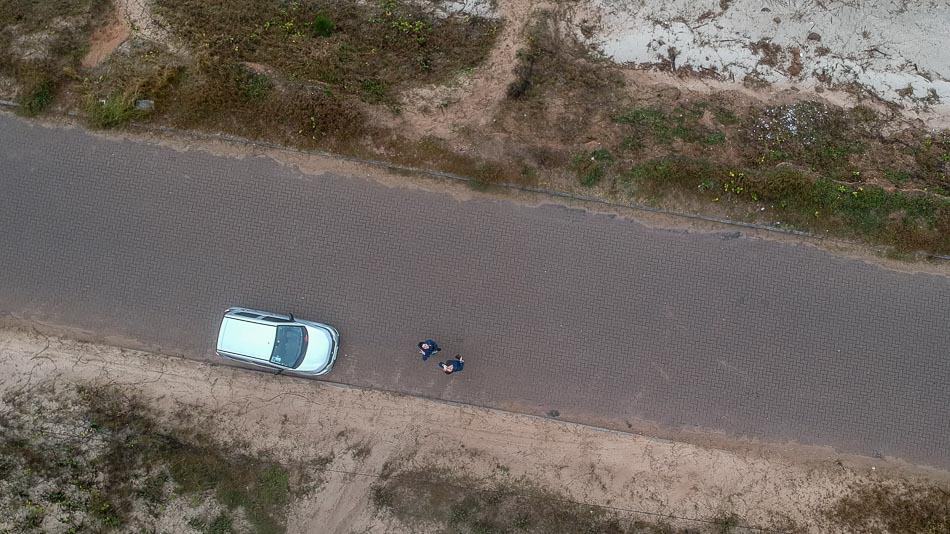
427, 348
452, 366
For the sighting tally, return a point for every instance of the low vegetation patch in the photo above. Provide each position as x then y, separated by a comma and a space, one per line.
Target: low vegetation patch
456, 503
433, 153
805, 166
809, 134
561, 88
800, 199
37, 96
388, 44
300, 73
897, 509
41, 41
98, 460
591, 167
682, 123
459, 504
115, 110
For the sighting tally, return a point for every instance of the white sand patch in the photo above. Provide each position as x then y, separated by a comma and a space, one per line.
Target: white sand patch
145, 26
897, 50
475, 8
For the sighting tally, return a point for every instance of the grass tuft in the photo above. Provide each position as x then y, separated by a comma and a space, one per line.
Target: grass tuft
592, 166
115, 110
37, 98
322, 26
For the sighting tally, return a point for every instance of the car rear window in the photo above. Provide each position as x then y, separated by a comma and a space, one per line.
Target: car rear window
289, 346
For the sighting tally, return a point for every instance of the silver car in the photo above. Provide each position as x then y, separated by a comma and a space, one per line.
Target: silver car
277, 341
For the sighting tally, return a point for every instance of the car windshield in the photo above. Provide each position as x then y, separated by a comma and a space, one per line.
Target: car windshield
289, 346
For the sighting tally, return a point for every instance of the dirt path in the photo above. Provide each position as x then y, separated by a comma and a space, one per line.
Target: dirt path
471, 100
364, 430
109, 37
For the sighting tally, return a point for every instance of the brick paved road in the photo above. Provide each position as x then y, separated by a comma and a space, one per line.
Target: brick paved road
594, 316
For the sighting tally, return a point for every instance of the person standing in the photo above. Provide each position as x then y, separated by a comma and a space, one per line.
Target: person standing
452, 366
427, 348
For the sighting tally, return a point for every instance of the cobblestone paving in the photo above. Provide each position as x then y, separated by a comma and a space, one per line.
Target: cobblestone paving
599, 318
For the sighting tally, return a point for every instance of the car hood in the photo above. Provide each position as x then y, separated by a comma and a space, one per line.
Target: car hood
319, 350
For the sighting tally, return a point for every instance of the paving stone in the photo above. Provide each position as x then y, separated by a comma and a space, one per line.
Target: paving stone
595, 317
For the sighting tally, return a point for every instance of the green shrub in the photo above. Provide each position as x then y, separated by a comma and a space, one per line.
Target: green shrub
37, 98
322, 26
115, 110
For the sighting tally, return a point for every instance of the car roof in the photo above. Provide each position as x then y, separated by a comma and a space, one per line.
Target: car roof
247, 337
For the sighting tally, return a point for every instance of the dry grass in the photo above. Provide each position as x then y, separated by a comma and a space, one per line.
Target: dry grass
801, 199
432, 153
896, 509
455, 503
301, 73
100, 460
561, 89
459, 504
41, 41
804, 165
369, 49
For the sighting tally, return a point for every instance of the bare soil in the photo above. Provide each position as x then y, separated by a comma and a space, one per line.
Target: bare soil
372, 457
108, 37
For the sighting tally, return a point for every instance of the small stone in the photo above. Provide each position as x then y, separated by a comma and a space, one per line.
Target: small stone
777, 20
814, 37
145, 105
766, 10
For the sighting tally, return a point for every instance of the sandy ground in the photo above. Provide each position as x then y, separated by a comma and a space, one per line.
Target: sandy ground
894, 50
471, 100
129, 18
889, 53
108, 37
301, 420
